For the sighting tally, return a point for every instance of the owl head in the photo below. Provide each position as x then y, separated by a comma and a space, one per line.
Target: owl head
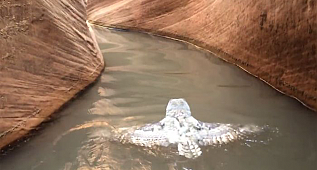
178, 107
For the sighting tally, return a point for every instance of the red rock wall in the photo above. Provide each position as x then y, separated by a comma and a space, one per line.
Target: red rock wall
47, 55
273, 39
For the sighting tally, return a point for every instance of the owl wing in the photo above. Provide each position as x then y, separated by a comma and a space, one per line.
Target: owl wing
218, 133
148, 135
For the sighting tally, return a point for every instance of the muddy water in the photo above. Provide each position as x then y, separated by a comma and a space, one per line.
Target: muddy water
143, 72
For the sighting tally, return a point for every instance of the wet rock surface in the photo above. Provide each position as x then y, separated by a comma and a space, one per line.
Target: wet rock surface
47, 55
273, 40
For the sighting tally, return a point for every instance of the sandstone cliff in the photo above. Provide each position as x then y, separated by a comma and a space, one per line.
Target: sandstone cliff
47, 55
273, 39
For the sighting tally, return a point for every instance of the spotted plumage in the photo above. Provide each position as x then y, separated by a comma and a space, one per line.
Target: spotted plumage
183, 130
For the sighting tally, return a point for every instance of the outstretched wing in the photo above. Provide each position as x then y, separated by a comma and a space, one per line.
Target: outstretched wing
217, 133
148, 135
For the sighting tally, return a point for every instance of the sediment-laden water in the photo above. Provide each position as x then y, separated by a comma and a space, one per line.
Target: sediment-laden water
142, 73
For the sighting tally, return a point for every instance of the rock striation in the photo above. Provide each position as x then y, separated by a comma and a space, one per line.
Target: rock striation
272, 39
47, 55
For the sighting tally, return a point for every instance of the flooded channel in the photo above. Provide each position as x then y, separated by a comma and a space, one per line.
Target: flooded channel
142, 73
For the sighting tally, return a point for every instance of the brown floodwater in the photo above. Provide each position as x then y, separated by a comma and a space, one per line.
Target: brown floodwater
142, 73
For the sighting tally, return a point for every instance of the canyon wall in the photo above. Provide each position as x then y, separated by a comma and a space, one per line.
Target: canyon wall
47, 55
275, 40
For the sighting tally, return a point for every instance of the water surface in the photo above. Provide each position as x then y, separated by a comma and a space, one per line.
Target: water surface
142, 73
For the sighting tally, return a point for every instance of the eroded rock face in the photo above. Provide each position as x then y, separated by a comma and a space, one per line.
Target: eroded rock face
47, 55
274, 40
